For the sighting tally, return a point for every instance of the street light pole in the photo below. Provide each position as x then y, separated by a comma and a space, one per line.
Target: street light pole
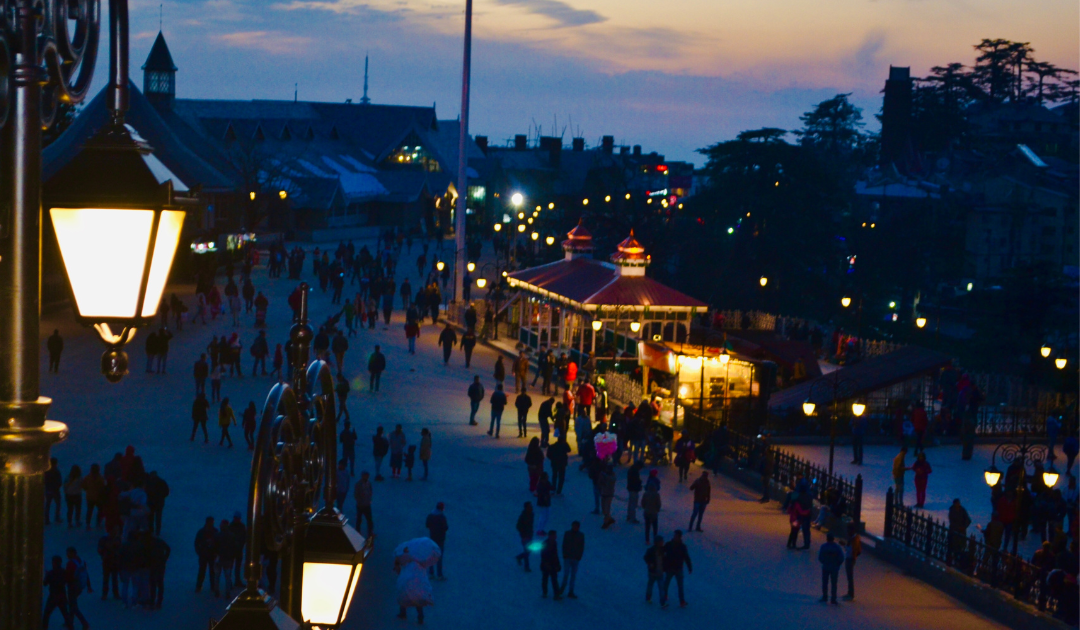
31, 81
463, 157
840, 387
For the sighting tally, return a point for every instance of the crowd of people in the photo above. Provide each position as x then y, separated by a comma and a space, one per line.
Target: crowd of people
126, 502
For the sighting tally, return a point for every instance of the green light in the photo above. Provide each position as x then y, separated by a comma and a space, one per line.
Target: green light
731, 230
892, 304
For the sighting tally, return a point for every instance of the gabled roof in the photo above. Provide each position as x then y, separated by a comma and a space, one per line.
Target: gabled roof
591, 285
159, 59
168, 147
868, 376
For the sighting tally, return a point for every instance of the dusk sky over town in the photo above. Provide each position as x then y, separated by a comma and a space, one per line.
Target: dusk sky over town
705, 69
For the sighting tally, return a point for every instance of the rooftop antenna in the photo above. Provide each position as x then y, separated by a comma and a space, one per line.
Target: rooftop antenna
365, 100
161, 15
295, 92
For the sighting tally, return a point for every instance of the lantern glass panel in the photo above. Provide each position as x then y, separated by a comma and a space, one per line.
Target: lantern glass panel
104, 252
325, 587
168, 237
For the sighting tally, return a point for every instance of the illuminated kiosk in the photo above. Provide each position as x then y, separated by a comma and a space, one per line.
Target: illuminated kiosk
580, 306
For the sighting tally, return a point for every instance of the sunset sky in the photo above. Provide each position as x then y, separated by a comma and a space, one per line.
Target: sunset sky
672, 76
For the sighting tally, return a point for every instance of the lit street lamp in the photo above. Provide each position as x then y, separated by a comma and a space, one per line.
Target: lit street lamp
296, 457
1021, 455
1045, 351
763, 281
834, 388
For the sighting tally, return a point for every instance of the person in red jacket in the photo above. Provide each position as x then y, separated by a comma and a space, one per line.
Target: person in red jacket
412, 331
921, 423
585, 396
922, 471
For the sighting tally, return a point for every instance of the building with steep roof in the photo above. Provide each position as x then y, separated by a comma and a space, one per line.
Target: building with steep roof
310, 169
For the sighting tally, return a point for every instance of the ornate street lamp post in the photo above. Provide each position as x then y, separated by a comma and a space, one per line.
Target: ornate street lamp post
295, 458
48, 50
836, 388
1023, 455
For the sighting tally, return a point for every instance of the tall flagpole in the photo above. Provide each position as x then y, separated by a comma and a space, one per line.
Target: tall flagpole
463, 159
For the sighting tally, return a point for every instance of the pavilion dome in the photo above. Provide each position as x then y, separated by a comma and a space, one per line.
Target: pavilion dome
630, 257
578, 243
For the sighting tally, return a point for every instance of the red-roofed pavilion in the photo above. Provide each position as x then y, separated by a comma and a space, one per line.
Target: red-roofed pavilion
560, 301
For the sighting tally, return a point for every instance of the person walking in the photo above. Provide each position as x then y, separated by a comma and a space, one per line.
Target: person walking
54, 484
380, 447
151, 351
227, 549
55, 346
226, 417
675, 556
606, 483
522, 403
342, 389
339, 346
260, 349
550, 565
922, 471
200, 411
468, 343
348, 446
414, 589
899, 467
56, 581
573, 549
959, 521
157, 490
852, 551
158, 552
650, 508
397, 451
559, 456
498, 403
376, 366
164, 337
544, 415
633, 489
500, 370
521, 372
797, 514
543, 501
702, 495
215, 382
476, 396
425, 450
342, 484
534, 462
200, 372
447, 341
412, 332
73, 496
93, 485
248, 424
831, 557
362, 493
437, 526
654, 562
78, 580
108, 549
525, 532
206, 549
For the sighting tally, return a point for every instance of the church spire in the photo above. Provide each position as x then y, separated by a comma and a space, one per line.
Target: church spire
159, 74
365, 100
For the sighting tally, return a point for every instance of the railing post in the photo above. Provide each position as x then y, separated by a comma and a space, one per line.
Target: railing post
858, 501
889, 514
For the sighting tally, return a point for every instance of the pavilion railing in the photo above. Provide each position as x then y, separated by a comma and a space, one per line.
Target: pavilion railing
996, 568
